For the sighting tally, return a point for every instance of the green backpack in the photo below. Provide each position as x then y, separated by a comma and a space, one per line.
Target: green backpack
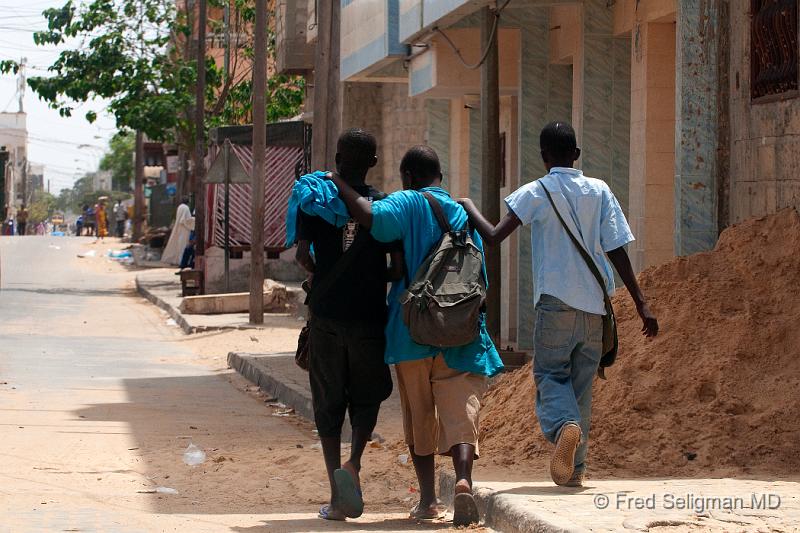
443, 303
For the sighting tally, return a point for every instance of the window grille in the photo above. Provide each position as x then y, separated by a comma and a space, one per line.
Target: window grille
773, 52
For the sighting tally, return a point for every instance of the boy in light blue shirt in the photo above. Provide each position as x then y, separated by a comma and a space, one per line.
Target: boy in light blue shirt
568, 336
440, 389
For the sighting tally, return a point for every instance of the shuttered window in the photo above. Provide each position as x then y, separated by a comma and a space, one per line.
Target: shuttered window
773, 53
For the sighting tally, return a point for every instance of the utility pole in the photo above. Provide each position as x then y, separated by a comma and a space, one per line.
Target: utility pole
4, 155
490, 162
24, 172
259, 156
138, 187
327, 93
200, 132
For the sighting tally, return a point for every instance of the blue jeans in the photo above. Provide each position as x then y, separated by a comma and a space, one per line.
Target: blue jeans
567, 350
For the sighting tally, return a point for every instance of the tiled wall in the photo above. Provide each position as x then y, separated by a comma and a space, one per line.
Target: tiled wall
696, 127
438, 132
545, 95
602, 99
651, 210
404, 124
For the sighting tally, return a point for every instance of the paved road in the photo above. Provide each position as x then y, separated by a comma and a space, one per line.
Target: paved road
99, 397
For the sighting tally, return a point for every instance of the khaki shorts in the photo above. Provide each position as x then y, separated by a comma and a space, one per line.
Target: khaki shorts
440, 405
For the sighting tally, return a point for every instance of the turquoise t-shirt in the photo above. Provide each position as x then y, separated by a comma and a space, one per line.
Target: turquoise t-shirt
406, 216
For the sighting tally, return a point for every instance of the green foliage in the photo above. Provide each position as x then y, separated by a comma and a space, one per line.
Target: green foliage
119, 160
42, 206
135, 54
82, 194
123, 56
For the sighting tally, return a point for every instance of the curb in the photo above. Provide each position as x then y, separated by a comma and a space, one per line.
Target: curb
294, 397
289, 394
161, 304
502, 512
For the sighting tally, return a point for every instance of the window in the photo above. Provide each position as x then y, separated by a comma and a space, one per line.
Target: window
773, 48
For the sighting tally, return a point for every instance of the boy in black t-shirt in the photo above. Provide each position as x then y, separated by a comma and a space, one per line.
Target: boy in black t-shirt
347, 369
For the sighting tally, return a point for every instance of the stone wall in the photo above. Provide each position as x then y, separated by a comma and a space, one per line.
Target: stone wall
764, 139
404, 124
362, 109
397, 121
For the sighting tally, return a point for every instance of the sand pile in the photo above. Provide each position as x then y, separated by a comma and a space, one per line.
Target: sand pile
716, 393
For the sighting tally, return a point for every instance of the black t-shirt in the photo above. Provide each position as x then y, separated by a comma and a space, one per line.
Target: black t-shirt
359, 293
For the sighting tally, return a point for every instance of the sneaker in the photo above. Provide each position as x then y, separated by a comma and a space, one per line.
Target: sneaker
562, 464
576, 480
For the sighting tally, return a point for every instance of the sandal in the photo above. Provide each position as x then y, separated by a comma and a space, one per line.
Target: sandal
349, 498
326, 513
428, 513
465, 510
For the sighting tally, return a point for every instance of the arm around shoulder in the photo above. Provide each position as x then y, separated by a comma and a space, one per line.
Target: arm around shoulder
360, 208
491, 235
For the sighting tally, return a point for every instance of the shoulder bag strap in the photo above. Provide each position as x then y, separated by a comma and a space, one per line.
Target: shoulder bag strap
343, 263
438, 212
584, 254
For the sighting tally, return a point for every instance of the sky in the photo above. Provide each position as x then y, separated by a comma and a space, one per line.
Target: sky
67, 147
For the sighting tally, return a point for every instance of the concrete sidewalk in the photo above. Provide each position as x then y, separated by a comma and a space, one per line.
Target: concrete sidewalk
162, 287
719, 505
278, 375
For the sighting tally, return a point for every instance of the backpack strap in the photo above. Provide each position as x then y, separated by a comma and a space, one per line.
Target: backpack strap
591, 265
438, 212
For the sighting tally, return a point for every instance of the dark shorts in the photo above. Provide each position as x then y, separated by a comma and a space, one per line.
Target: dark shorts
347, 373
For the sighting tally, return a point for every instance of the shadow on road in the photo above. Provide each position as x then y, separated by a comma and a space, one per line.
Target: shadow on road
301, 525
256, 463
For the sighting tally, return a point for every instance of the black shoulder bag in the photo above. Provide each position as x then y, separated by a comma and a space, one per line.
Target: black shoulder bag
610, 339
315, 292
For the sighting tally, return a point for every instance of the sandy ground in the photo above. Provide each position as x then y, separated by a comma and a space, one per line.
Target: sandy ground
100, 398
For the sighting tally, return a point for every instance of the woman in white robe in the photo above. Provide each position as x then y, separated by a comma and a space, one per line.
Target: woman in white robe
179, 238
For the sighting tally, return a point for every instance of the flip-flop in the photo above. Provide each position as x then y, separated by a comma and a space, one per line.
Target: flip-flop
465, 510
349, 498
325, 514
428, 513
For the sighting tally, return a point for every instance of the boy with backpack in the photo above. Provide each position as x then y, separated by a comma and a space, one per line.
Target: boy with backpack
575, 219
441, 385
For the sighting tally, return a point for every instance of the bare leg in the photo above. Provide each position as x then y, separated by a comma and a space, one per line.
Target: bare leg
331, 451
424, 465
465, 509
463, 456
360, 438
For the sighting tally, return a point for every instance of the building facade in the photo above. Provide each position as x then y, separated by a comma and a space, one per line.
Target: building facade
14, 137
688, 109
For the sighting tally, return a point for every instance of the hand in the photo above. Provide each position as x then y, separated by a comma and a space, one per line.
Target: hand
465, 201
649, 322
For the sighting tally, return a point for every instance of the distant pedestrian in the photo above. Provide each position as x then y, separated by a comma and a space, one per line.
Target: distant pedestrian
79, 226
101, 219
179, 236
120, 215
89, 220
22, 220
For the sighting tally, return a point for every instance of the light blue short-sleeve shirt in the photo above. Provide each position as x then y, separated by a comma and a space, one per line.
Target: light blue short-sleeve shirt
594, 216
406, 216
